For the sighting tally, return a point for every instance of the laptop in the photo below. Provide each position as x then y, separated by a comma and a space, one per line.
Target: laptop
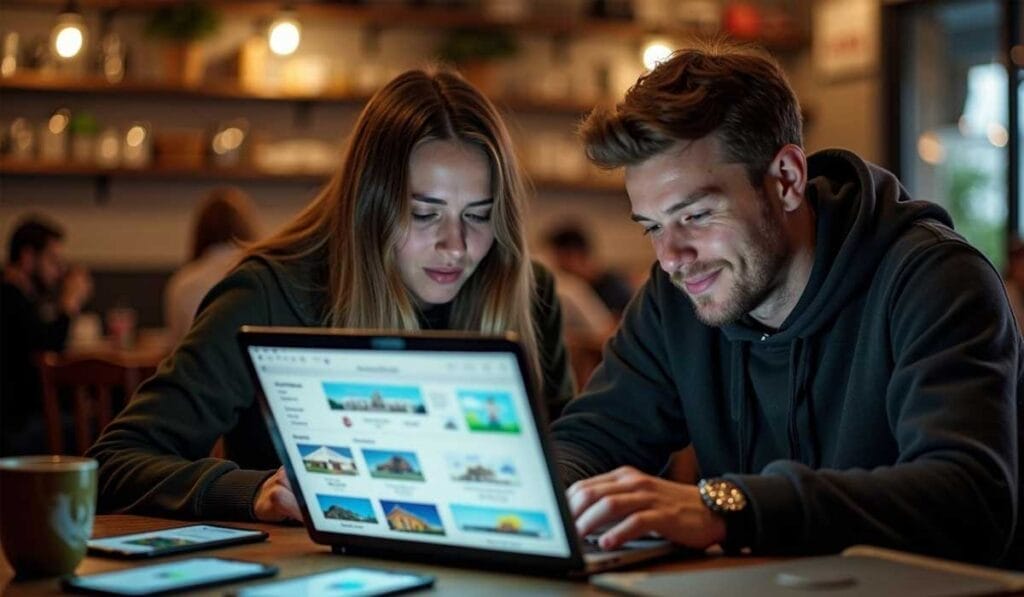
421, 446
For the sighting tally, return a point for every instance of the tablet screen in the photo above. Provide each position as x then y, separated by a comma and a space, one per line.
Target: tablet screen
155, 541
349, 582
170, 576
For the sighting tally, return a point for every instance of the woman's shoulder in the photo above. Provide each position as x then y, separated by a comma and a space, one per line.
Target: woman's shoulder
291, 281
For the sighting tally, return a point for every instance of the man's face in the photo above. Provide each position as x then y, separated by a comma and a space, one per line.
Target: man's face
720, 239
48, 266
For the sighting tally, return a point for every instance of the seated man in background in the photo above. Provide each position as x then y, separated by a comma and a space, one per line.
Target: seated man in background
572, 253
40, 295
845, 365
223, 219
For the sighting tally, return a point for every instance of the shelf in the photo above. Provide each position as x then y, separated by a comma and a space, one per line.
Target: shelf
53, 83
421, 17
9, 167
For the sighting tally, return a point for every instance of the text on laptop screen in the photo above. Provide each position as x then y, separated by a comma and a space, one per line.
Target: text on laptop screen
436, 447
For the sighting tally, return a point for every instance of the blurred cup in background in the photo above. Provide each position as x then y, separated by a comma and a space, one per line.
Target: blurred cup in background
121, 326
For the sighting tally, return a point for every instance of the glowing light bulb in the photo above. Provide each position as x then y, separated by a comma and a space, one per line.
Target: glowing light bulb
655, 53
68, 35
285, 35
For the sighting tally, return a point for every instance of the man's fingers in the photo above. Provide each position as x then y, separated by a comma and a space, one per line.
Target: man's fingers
290, 506
609, 509
614, 475
584, 497
284, 504
632, 527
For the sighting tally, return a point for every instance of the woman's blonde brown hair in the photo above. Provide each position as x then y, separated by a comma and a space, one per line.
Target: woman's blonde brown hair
354, 224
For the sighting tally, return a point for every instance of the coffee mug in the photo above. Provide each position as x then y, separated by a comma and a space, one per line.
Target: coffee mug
47, 507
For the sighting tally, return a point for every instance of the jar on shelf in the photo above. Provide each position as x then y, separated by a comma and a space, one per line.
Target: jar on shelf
137, 146
83, 128
20, 143
108, 148
53, 137
228, 143
112, 58
10, 62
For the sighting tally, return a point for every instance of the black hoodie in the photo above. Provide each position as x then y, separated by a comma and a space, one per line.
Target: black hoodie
884, 410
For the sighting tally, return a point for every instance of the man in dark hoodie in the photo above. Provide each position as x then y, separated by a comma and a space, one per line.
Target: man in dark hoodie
844, 364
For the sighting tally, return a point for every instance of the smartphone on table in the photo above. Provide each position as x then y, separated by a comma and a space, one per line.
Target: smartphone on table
167, 541
169, 577
343, 582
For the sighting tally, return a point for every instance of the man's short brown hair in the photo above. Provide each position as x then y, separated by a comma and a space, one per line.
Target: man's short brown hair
734, 91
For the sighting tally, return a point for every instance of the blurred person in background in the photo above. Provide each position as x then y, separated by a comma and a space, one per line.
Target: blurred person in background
584, 312
39, 298
573, 253
1015, 280
224, 219
421, 228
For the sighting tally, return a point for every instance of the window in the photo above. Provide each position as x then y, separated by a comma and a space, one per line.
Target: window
950, 113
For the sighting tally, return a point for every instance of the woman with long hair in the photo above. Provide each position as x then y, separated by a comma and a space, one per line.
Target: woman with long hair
422, 228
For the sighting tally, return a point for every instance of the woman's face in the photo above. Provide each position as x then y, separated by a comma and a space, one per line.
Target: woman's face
450, 227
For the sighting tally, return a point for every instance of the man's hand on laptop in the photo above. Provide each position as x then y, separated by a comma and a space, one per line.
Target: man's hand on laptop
633, 504
275, 500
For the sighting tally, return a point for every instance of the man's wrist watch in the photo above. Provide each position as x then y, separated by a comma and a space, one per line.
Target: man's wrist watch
722, 496
725, 498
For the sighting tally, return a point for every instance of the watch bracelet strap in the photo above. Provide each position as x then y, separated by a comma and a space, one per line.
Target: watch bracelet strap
740, 525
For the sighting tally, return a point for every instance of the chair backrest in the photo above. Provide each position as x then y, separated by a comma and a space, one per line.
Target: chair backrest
91, 383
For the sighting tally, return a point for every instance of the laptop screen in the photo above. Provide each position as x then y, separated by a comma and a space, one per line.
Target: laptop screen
427, 446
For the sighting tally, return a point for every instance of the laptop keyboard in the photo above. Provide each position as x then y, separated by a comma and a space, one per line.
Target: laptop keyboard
591, 545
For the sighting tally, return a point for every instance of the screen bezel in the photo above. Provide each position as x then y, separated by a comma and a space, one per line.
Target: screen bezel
112, 552
433, 341
72, 583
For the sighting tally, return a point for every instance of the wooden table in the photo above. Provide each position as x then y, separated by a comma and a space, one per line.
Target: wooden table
295, 554
150, 347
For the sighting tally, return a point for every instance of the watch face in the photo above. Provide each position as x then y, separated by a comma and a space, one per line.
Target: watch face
721, 495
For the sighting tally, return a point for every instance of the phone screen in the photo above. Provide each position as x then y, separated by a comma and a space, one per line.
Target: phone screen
167, 540
347, 582
172, 576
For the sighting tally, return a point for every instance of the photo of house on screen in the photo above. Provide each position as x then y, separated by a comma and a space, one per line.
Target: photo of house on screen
375, 398
328, 460
407, 517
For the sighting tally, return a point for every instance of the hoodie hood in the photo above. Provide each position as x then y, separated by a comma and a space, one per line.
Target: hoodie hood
301, 284
860, 209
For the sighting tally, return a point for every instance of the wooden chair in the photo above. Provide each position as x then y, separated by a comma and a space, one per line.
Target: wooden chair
91, 382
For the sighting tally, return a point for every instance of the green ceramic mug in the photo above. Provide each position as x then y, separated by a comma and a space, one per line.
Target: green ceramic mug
47, 507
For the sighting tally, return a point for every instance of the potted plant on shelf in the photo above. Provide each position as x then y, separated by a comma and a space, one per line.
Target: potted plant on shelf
475, 53
181, 27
